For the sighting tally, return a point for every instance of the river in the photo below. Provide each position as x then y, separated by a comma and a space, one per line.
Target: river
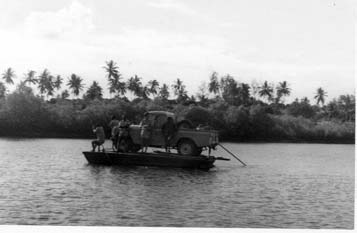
49, 182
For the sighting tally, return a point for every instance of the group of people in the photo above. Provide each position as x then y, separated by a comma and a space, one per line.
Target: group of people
120, 131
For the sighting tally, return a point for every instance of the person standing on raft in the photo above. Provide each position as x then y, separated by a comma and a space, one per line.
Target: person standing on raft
99, 132
123, 128
114, 122
114, 127
168, 130
145, 132
123, 134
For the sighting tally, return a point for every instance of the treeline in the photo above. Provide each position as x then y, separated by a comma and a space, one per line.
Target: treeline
240, 111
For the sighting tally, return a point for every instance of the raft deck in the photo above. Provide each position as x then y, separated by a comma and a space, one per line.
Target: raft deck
161, 159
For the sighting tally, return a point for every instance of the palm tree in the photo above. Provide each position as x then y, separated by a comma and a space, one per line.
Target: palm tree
135, 85
8, 76
2, 90
113, 76
111, 68
43, 81
121, 88
177, 86
153, 86
30, 77
213, 84
180, 90
58, 82
164, 92
49, 85
320, 96
116, 86
347, 105
266, 90
282, 90
75, 83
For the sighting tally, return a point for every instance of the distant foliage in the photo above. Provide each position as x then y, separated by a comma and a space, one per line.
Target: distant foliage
239, 111
198, 116
2, 90
301, 108
302, 129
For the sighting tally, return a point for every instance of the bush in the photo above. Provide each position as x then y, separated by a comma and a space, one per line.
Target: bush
237, 122
302, 129
260, 123
198, 116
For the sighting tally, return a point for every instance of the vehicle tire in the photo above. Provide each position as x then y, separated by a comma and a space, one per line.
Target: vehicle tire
187, 147
184, 124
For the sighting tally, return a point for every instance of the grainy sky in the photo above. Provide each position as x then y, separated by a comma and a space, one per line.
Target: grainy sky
308, 43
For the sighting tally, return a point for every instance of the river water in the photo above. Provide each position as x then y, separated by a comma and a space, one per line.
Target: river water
49, 182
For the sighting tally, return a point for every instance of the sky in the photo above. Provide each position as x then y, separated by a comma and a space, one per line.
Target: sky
308, 43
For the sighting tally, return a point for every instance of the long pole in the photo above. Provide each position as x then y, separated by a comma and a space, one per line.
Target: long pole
233, 155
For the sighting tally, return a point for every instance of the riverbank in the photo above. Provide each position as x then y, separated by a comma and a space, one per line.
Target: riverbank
23, 114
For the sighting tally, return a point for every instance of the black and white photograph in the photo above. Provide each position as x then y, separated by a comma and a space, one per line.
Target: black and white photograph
177, 114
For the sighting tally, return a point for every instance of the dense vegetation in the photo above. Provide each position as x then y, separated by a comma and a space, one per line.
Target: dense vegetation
241, 112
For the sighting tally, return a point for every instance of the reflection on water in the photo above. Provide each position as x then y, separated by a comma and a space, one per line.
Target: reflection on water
48, 182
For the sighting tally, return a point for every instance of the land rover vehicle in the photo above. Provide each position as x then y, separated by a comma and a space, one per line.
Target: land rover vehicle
187, 140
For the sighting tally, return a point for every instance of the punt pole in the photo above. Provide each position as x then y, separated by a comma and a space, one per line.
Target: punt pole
232, 155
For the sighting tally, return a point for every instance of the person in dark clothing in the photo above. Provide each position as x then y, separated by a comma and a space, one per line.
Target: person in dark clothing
114, 127
123, 130
168, 130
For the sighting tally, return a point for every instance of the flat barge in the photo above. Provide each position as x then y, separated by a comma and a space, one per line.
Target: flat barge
156, 159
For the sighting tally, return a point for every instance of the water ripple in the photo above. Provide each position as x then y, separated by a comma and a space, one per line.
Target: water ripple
284, 186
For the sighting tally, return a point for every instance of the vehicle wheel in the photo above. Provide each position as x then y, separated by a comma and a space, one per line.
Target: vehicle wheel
187, 147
